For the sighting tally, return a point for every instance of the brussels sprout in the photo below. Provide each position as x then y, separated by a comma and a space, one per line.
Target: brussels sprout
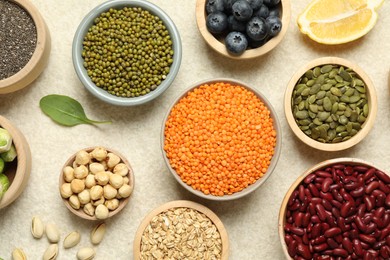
9, 155
5, 140
4, 184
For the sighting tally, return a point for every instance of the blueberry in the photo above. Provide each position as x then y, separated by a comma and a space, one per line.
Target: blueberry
257, 29
263, 12
228, 5
236, 43
242, 11
214, 6
235, 25
216, 22
255, 4
271, 3
256, 44
274, 24
275, 11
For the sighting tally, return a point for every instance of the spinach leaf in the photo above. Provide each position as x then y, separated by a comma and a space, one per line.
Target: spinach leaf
65, 110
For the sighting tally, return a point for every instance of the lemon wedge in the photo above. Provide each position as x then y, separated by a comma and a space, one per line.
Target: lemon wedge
338, 21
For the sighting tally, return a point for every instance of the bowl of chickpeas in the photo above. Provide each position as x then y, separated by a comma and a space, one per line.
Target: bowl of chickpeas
221, 139
138, 64
96, 183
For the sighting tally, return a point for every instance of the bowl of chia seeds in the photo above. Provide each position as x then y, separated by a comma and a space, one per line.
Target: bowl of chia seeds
126, 52
24, 47
330, 104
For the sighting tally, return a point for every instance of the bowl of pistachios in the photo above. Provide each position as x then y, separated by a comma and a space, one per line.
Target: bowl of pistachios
15, 162
330, 104
96, 183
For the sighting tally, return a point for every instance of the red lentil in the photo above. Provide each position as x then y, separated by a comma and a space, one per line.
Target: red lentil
220, 138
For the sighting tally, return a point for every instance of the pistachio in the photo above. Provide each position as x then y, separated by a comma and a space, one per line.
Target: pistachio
97, 233
51, 252
90, 181
66, 190
85, 253
89, 209
96, 192
102, 178
81, 172
99, 153
18, 254
74, 202
125, 190
113, 160
96, 167
84, 197
121, 169
82, 158
37, 228
101, 212
77, 185
112, 204
72, 239
52, 233
109, 192
68, 173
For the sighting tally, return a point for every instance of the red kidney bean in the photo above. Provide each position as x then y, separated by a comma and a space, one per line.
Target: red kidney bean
357, 246
316, 200
361, 210
338, 166
347, 245
379, 244
304, 251
288, 238
346, 209
385, 220
305, 239
294, 206
306, 219
361, 168
383, 187
379, 212
326, 195
319, 180
348, 170
332, 243
324, 226
385, 252
326, 184
360, 224
303, 206
387, 202
320, 212
298, 238
309, 178
337, 196
338, 238
386, 235
320, 247
332, 232
347, 196
388, 240
316, 230
292, 248
369, 174
340, 252
358, 192
350, 219
353, 234
369, 201
297, 231
367, 239
371, 228
298, 219
341, 224
301, 192
377, 234
380, 200
323, 174
335, 212
315, 219
349, 179
308, 194
335, 186
313, 190
378, 192
383, 176
318, 240
367, 218
326, 205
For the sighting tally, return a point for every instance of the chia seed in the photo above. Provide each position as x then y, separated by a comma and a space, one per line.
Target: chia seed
18, 38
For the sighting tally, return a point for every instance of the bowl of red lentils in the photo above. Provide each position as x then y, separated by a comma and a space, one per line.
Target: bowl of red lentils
337, 209
221, 139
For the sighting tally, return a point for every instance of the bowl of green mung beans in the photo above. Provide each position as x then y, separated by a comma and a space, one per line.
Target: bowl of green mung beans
126, 52
330, 104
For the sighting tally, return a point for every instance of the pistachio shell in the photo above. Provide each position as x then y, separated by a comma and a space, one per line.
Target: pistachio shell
97, 233
37, 227
72, 239
18, 254
52, 233
51, 252
85, 253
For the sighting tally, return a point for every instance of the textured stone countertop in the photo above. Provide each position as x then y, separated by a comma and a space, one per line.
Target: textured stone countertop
251, 222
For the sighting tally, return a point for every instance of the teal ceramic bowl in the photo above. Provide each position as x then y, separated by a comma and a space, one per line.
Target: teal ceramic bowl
78, 60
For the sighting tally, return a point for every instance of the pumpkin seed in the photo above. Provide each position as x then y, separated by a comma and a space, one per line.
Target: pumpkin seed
322, 116
365, 110
301, 105
337, 140
343, 120
346, 138
331, 134
326, 68
315, 133
344, 98
309, 74
345, 75
335, 107
315, 88
316, 71
349, 92
354, 99
310, 82
327, 104
313, 108
305, 92
320, 79
304, 122
340, 129
338, 78
335, 91
312, 99
354, 116
326, 86
321, 94
301, 114
359, 83
317, 121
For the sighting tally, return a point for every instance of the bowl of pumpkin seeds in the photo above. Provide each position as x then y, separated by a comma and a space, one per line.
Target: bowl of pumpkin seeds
330, 104
126, 52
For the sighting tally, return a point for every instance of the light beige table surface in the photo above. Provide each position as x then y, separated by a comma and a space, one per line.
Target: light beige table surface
251, 222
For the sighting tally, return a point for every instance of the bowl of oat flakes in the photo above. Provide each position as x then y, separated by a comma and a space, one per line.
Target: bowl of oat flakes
173, 231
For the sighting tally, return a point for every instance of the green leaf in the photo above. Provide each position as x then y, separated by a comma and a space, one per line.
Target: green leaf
65, 110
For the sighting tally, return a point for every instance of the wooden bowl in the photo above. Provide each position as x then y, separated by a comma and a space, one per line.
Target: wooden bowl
297, 182
251, 188
18, 171
182, 204
371, 100
218, 44
38, 60
122, 202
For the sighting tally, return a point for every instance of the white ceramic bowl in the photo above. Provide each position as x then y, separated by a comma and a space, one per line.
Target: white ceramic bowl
78, 60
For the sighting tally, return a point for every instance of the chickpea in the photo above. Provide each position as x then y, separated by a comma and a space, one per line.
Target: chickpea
84, 197
66, 190
82, 158
99, 153
109, 192
77, 185
96, 192
102, 178
125, 190
113, 160
81, 172
121, 169
96, 167
68, 173
90, 181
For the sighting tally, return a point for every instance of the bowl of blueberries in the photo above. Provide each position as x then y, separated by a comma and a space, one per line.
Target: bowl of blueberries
243, 29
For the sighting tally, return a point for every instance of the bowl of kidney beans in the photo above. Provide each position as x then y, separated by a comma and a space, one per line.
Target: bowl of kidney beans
338, 209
